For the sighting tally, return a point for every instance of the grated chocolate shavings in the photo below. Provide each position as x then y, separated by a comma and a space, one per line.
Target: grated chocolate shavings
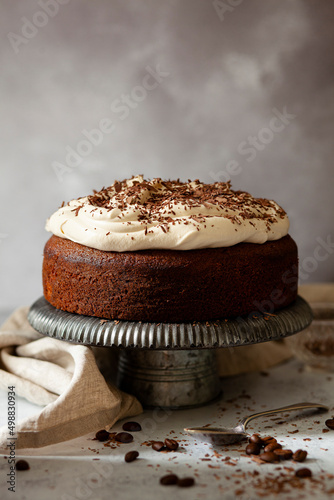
155, 201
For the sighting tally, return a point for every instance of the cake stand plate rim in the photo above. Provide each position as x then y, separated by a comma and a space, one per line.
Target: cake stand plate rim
99, 332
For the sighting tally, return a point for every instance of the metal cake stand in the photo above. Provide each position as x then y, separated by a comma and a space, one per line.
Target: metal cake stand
170, 365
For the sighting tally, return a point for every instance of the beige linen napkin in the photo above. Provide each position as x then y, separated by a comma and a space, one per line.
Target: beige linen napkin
63, 377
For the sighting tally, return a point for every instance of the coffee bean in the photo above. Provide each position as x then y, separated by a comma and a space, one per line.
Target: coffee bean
303, 472
102, 435
186, 482
169, 479
157, 445
131, 456
253, 449
131, 427
272, 446
299, 455
255, 438
330, 423
22, 465
171, 444
268, 456
283, 454
124, 437
269, 439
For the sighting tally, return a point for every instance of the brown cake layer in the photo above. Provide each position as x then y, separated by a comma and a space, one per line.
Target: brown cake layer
169, 285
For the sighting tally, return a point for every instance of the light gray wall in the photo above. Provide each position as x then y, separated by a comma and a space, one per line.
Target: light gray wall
224, 73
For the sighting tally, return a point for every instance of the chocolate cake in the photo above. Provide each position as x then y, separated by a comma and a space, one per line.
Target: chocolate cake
167, 251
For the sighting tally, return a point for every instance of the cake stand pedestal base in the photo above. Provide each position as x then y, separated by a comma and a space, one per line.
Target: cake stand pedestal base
169, 364
169, 379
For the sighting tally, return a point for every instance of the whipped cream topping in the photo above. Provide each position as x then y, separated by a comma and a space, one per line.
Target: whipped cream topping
136, 214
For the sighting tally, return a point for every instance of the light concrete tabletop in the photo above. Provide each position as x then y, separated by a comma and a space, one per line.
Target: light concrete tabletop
87, 469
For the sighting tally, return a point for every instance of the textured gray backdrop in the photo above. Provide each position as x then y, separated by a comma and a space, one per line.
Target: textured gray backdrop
178, 88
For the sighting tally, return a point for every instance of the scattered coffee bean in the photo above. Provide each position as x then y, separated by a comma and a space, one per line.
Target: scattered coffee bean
131, 427
330, 423
131, 456
269, 439
303, 472
158, 445
22, 465
268, 456
169, 479
124, 437
255, 438
283, 454
171, 444
299, 455
186, 482
102, 435
272, 446
253, 449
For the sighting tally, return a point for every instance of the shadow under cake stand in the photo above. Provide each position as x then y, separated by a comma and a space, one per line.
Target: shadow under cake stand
169, 365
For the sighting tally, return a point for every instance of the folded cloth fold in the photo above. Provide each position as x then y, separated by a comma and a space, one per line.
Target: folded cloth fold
62, 377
